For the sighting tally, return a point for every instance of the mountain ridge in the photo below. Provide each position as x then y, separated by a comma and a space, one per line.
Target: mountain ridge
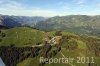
73, 23
17, 21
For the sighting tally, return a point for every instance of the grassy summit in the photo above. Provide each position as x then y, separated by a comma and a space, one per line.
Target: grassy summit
22, 36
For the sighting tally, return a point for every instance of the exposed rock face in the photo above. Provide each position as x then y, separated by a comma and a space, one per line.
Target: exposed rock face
53, 40
56, 39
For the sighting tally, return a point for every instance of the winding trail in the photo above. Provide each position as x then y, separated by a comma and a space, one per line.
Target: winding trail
65, 57
52, 45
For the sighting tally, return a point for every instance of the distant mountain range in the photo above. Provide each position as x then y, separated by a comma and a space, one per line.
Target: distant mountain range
81, 24
16, 21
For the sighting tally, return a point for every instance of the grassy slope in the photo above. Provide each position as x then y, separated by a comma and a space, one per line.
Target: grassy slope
29, 62
27, 36
22, 36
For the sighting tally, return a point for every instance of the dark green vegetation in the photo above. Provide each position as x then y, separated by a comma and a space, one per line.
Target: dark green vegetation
13, 55
19, 44
81, 24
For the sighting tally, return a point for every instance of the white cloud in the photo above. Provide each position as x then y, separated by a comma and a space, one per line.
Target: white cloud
98, 5
10, 4
12, 7
80, 2
64, 6
34, 12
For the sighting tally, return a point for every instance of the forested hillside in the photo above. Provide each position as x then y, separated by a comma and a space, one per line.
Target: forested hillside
81, 24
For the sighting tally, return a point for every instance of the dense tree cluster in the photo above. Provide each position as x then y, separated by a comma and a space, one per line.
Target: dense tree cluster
69, 43
12, 55
58, 33
93, 45
81, 24
2, 35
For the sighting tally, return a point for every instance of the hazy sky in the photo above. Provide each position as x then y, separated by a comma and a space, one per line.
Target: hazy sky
49, 7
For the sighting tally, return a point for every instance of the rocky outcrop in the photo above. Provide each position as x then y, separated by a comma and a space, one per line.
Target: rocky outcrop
53, 40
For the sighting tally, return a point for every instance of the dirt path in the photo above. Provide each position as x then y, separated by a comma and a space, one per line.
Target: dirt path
65, 57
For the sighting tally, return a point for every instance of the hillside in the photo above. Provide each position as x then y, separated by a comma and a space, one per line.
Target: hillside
81, 24
25, 46
21, 36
